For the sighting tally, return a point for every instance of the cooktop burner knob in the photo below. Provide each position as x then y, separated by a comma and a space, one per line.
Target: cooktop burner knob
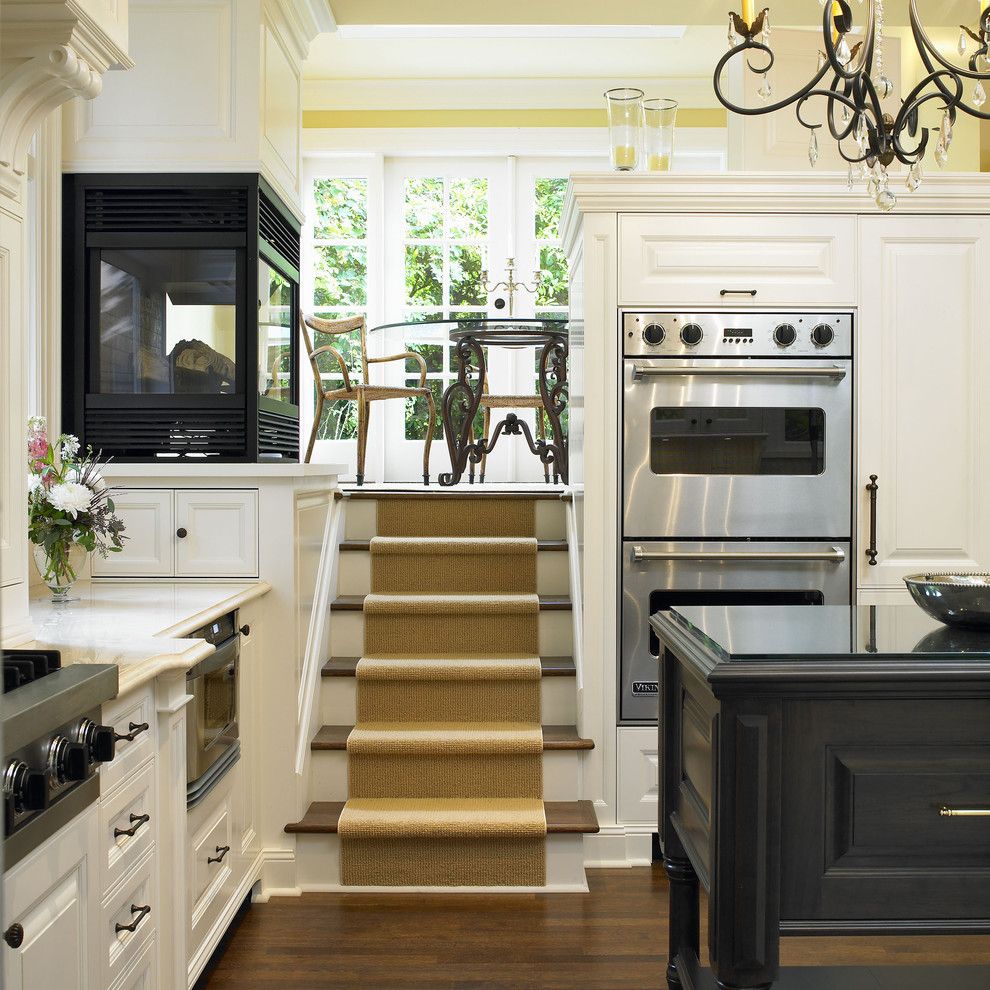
28, 788
68, 761
691, 334
100, 741
785, 335
653, 334
822, 335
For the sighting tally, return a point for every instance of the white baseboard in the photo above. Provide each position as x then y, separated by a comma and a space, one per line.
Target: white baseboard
616, 846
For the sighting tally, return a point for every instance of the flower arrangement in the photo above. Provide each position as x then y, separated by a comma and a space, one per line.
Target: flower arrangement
70, 509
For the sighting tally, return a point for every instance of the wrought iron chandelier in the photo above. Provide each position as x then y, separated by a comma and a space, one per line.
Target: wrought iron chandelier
850, 80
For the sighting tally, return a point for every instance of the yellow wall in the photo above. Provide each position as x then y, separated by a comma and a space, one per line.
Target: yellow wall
686, 117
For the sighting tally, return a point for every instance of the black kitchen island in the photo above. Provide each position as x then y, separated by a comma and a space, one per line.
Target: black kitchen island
826, 771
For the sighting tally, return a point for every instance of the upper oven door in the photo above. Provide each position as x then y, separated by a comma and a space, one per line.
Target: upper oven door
732, 448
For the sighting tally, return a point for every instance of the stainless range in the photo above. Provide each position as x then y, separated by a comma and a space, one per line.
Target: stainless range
52, 744
736, 470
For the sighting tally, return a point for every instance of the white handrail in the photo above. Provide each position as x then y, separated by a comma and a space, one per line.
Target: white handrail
577, 600
316, 636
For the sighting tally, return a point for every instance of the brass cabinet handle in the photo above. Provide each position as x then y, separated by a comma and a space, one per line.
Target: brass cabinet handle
222, 850
134, 730
946, 812
871, 550
141, 912
136, 822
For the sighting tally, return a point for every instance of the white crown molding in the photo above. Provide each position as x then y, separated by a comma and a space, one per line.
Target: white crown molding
301, 21
764, 192
52, 52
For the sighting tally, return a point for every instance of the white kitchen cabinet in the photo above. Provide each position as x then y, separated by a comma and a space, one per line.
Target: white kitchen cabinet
202, 532
923, 367
53, 895
638, 776
681, 260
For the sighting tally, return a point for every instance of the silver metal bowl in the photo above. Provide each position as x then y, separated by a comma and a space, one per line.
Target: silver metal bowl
955, 599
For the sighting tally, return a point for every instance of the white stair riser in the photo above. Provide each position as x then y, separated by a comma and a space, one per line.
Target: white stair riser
361, 523
347, 634
354, 574
561, 775
338, 701
318, 865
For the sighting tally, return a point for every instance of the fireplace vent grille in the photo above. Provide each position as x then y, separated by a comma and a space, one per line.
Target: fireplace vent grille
277, 232
149, 433
165, 208
278, 434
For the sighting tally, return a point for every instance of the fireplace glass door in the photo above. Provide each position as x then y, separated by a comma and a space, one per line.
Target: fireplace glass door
168, 322
276, 335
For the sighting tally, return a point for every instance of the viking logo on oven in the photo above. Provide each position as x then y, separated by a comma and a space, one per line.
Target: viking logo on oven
641, 689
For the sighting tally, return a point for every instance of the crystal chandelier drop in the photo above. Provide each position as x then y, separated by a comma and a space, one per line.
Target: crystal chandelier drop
849, 86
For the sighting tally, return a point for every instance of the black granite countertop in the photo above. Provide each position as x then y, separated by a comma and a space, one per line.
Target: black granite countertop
748, 634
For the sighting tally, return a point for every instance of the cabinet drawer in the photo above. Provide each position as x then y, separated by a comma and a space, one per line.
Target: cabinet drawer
210, 868
149, 550
865, 783
127, 715
129, 808
143, 973
676, 260
127, 907
221, 528
639, 776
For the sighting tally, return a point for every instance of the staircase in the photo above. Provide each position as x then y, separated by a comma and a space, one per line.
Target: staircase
381, 759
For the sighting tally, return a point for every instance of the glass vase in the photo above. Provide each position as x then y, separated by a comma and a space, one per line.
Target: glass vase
625, 126
659, 118
60, 567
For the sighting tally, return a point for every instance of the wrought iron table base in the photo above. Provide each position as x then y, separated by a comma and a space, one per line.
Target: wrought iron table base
465, 451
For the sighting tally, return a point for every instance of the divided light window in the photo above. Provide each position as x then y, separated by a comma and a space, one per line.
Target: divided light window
445, 250
551, 298
340, 286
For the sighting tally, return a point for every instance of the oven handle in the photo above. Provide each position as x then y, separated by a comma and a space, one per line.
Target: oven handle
835, 555
735, 371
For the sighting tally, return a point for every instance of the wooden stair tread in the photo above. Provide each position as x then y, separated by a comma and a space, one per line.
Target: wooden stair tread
552, 666
355, 603
555, 737
563, 817
354, 546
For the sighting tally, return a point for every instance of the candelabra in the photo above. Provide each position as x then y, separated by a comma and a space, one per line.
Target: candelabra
510, 284
850, 79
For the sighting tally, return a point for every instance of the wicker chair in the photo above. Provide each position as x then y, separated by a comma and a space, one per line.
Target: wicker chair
361, 393
490, 402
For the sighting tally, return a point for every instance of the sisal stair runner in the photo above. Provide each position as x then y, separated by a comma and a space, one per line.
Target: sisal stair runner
445, 772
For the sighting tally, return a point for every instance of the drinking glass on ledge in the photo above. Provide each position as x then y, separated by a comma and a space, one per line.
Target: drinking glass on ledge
625, 125
660, 117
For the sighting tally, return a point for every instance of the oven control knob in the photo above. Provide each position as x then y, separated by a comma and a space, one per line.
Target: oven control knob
785, 335
654, 333
100, 741
28, 788
691, 334
68, 761
822, 335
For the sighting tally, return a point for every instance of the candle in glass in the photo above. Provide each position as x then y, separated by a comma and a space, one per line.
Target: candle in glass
659, 117
625, 123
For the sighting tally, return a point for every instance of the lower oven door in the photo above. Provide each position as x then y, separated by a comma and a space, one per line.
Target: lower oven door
726, 449
211, 717
659, 575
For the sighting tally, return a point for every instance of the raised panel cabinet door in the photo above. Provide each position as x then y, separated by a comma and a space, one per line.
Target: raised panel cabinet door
638, 776
149, 549
216, 533
679, 260
53, 896
923, 403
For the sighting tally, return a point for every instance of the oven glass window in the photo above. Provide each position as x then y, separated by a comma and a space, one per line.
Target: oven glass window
660, 601
759, 440
219, 709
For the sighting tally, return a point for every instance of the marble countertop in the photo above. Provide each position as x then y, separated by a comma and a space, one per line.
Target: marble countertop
142, 627
165, 471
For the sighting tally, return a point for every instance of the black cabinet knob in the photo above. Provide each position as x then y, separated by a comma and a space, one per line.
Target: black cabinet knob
245, 630
182, 532
14, 935
134, 729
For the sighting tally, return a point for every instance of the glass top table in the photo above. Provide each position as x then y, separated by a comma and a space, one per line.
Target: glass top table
463, 397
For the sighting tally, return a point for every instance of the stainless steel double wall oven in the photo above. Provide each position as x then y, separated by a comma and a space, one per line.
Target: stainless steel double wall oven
736, 470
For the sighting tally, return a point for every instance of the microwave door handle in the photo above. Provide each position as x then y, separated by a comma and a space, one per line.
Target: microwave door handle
834, 555
640, 371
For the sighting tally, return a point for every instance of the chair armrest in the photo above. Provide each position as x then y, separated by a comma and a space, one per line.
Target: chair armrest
327, 349
418, 358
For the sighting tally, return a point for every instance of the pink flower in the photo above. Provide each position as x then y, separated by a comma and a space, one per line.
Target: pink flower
38, 447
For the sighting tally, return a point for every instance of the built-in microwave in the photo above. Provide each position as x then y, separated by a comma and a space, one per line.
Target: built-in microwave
212, 743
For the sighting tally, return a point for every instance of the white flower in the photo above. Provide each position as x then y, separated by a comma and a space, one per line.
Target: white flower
70, 497
34, 483
37, 424
70, 446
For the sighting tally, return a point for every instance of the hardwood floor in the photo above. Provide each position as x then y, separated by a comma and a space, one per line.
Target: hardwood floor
613, 938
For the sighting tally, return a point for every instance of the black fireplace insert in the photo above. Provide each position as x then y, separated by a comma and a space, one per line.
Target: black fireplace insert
180, 295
